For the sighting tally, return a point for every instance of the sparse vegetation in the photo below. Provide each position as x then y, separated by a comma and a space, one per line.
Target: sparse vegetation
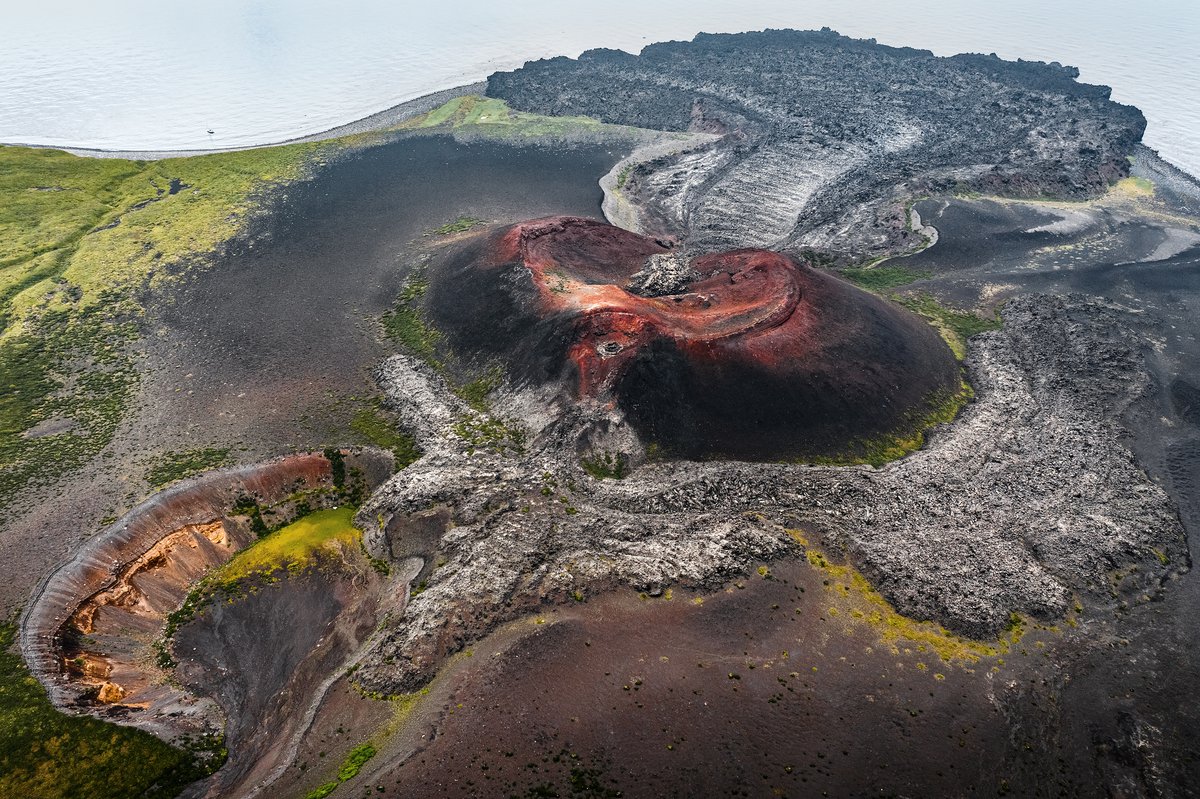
955, 326
882, 278
623, 175
174, 466
460, 225
406, 325
377, 429
481, 432
45, 754
487, 115
80, 241
606, 465
349, 769
475, 393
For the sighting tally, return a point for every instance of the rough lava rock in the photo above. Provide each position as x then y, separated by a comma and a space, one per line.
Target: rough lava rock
824, 136
1029, 497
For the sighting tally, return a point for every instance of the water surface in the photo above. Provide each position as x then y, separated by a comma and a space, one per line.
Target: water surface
144, 74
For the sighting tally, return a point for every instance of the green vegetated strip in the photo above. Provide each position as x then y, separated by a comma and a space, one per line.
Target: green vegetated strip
882, 278
355, 760
173, 466
406, 325
942, 407
857, 602
494, 117
45, 754
956, 327
81, 240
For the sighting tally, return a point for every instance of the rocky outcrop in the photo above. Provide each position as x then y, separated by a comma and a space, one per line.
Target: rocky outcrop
1028, 498
825, 136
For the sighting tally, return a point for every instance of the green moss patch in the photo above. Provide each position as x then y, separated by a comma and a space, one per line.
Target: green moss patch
882, 278
954, 325
377, 429
45, 754
294, 547
405, 323
494, 117
355, 760
606, 465
853, 599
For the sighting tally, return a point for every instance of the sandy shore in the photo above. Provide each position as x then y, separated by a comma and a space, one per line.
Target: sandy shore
377, 121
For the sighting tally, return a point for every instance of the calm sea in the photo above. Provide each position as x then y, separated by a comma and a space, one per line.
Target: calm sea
148, 74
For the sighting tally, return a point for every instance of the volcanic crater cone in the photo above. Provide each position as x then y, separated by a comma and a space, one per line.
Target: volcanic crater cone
747, 354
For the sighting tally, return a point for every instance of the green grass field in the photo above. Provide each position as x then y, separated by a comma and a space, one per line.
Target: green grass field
45, 754
81, 242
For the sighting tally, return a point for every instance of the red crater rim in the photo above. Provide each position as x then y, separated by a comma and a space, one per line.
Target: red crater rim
750, 353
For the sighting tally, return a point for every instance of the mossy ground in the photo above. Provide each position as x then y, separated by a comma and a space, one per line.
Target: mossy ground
81, 242
355, 760
882, 278
294, 547
955, 326
495, 118
45, 754
854, 600
172, 466
377, 429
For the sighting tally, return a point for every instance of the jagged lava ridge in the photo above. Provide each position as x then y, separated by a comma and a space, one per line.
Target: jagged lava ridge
747, 354
825, 136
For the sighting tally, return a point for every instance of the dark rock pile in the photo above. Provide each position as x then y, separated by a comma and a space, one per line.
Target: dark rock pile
824, 135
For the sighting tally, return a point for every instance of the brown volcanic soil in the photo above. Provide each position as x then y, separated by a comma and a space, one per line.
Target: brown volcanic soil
752, 354
759, 691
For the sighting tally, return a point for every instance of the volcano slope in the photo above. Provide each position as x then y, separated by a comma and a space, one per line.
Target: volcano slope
747, 354
824, 136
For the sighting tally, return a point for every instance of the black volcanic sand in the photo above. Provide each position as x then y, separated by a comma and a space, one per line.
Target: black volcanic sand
761, 690
262, 347
1138, 682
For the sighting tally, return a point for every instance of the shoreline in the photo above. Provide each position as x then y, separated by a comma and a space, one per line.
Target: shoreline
380, 120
